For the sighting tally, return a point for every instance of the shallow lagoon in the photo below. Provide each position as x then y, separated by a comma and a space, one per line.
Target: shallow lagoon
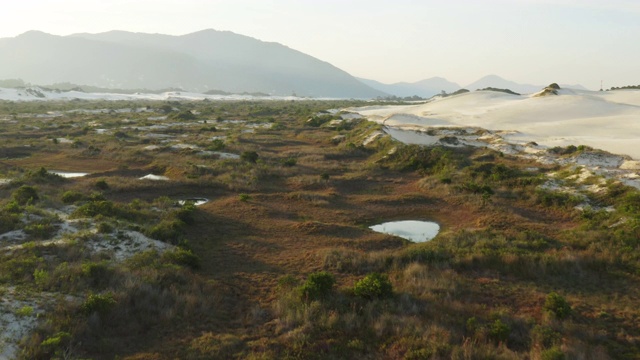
412, 230
68, 174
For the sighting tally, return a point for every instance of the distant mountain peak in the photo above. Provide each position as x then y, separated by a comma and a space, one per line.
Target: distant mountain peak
34, 33
425, 88
495, 81
205, 60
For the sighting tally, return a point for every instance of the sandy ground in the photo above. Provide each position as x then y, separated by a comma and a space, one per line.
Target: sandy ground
38, 94
16, 321
603, 120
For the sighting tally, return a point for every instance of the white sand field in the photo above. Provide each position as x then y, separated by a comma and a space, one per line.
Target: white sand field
39, 94
603, 120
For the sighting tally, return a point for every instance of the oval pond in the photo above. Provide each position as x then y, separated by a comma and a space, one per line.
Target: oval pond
412, 230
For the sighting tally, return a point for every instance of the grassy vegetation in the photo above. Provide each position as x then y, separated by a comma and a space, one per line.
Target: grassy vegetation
280, 263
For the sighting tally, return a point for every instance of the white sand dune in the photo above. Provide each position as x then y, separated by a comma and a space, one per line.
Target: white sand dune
604, 120
39, 94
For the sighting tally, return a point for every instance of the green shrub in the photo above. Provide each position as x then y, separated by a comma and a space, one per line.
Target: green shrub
184, 257
40, 230
25, 194
102, 185
545, 335
245, 197
41, 277
555, 198
553, 354
183, 115
43, 176
99, 303
372, 286
56, 341
95, 208
25, 311
98, 273
105, 228
8, 221
289, 162
167, 230
318, 285
499, 331
216, 145
471, 325
287, 282
432, 160
186, 213
249, 156
475, 188
70, 197
557, 305
13, 207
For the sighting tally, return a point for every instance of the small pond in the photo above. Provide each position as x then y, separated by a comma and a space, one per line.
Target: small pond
195, 201
154, 177
412, 230
68, 174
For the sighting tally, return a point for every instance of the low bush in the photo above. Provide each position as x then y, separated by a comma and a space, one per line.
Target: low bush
373, 286
70, 197
25, 194
289, 162
554, 353
499, 331
317, 286
180, 256
167, 230
102, 185
95, 208
98, 303
557, 305
249, 156
43, 229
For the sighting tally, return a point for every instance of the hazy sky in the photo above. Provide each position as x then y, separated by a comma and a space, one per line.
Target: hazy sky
528, 41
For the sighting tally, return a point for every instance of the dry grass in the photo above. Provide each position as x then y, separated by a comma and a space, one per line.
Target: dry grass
476, 291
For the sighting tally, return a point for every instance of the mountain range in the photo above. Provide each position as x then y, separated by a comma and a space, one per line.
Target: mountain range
207, 60
435, 85
200, 61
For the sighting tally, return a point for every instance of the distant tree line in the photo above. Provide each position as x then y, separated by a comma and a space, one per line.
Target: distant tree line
507, 91
631, 87
400, 98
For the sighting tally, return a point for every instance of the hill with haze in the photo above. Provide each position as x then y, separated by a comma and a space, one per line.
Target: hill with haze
495, 81
200, 61
429, 87
423, 88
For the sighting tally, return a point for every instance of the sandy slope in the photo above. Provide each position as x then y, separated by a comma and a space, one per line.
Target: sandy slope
605, 120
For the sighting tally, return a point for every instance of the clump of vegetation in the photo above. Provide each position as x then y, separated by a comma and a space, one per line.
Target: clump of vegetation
25, 194
184, 257
506, 91
102, 185
184, 115
70, 197
373, 286
499, 331
554, 353
568, 150
318, 285
557, 305
98, 303
249, 156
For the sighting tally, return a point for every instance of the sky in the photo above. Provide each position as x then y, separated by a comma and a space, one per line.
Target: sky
527, 41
